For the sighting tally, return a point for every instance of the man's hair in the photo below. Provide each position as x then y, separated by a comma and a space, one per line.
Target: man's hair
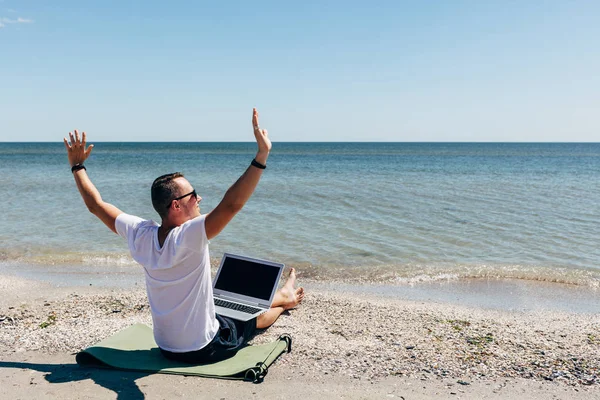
163, 191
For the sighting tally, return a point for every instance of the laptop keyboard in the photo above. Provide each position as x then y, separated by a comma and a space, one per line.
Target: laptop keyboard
236, 306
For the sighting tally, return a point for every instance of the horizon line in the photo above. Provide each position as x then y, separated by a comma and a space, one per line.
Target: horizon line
324, 142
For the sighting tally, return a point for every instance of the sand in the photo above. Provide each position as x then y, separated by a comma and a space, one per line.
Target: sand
345, 346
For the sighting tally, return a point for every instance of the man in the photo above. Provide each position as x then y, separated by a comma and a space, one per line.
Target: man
176, 259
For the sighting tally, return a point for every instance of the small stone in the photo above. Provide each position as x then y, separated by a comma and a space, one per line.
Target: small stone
464, 383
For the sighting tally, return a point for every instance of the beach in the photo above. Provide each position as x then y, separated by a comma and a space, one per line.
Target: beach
345, 345
456, 270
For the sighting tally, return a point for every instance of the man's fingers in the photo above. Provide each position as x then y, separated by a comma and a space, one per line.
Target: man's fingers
72, 138
66, 144
77, 136
87, 151
254, 118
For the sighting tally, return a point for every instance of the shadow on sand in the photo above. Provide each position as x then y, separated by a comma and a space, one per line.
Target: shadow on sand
123, 383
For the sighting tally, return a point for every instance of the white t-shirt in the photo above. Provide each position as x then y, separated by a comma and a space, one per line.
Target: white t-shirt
177, 281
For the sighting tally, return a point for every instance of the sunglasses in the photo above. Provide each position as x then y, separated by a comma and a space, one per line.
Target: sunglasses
192, 193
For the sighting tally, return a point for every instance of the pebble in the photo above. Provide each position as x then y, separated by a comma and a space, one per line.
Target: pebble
361, 337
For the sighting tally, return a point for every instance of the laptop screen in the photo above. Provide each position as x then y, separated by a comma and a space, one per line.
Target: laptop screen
247, 278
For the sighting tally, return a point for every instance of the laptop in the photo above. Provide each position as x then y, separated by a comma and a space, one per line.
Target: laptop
244, 287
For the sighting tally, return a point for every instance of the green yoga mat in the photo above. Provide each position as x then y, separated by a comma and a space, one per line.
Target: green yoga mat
134, 349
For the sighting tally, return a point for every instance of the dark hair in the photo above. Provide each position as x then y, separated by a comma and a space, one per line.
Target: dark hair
163, 191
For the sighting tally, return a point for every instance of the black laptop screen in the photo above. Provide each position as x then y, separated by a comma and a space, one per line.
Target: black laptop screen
247, 278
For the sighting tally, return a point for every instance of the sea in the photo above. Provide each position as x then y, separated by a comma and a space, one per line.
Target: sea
509, 225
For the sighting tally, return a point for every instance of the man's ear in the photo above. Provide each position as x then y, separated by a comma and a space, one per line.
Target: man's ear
174, 206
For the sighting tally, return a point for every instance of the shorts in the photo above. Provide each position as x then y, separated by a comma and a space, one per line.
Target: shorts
230, 338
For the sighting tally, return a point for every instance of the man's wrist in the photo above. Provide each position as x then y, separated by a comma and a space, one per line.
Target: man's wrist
258, 165
77, 167
261, 157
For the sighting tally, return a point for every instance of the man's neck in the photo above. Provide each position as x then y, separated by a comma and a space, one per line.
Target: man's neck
168, 224
164, 229
163, 232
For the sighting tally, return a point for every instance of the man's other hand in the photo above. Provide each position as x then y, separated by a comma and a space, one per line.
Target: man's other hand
76, 150
262, 139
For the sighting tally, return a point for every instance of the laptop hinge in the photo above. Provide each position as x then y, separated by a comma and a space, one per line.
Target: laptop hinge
222, 296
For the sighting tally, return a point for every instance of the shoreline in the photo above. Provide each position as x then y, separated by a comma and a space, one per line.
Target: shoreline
505, 293
369, 342
487, 293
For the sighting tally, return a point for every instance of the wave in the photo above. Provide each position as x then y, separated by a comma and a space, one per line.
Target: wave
414, 274
393, 274
56, 258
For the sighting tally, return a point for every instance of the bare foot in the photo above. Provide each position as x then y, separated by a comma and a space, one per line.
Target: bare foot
292, 296
291, 282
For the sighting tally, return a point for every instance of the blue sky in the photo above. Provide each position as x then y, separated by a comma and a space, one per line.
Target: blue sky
317, 71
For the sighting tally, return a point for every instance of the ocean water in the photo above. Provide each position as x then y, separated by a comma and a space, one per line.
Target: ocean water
389, 213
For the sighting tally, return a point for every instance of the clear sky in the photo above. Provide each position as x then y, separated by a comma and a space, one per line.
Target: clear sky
317, 70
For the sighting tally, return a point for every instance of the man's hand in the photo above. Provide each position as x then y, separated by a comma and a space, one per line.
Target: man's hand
242, 189
262, 139
76, 150
77, 154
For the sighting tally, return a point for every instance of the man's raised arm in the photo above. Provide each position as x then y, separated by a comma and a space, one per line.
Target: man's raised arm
77, 154
242, 189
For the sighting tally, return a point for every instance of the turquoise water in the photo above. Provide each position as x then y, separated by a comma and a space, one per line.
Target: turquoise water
368, 212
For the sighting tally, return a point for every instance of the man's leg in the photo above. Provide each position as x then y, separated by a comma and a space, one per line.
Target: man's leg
267, 318
286, 298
